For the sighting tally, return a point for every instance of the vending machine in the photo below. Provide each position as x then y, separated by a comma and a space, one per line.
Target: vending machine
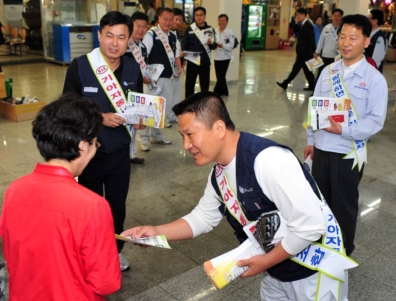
273, 27
256, 18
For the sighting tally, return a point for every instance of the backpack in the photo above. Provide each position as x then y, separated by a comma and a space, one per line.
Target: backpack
236, 43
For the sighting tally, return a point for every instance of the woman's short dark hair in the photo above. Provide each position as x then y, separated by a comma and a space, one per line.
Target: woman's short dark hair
115, 18
61, 125
208, 107
358, 21
223, 16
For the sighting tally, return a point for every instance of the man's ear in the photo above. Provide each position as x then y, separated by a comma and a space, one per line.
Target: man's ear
220, 128
366, 42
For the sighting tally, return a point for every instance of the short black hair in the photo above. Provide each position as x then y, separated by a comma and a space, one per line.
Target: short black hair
318, 18
61, 125
302, 11
139, 16
338, 10
200, 8
223, 16
208, 107
165, 9
358, 21
115, 18
377, 14
177, 12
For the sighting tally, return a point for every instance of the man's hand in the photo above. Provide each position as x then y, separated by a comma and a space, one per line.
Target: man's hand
219, 45
209, 41
255, 264
146, 80
179, 72
309, 150
335, 127
141, 231
181, 54
112, 120
139, 126
315, 55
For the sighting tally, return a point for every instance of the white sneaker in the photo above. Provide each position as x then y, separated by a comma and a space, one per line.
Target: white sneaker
144, 147
124, 263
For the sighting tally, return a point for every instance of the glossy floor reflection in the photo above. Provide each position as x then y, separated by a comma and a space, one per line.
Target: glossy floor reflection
169, 185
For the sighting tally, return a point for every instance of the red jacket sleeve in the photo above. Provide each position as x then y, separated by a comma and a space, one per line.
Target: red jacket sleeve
99, 252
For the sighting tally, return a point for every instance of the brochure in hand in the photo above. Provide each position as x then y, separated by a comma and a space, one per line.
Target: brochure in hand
320, 108
149, 109
314, 64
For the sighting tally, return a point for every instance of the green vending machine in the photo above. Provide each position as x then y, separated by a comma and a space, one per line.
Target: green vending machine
256, 19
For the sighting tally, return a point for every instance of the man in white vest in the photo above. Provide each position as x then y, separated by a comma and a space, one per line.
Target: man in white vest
339, 151
162, 48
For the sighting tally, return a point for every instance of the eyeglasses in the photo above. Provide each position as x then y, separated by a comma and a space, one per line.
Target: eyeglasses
97, 144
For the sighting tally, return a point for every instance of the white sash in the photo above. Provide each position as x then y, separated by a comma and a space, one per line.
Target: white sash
328, 257
359, 152
333, 33
230, 197
137, 54
108, 81
198, 33
164, 39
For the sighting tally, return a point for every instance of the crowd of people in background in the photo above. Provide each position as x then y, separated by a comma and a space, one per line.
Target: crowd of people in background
89, 140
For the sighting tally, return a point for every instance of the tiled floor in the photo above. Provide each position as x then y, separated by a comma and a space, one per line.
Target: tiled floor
169, 184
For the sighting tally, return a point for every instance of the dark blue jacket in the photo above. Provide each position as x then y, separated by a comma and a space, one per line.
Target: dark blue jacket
111, 139
254, 202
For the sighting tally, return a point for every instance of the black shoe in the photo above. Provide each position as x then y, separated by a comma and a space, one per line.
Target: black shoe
308, 89
137, 160
282, 85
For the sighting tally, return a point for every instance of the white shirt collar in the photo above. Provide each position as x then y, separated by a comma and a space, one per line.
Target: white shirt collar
349, 69
303, 22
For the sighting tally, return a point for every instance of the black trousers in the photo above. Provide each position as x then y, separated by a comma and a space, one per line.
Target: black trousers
191, 77
339, 186
221, 68
298, 64
108, 175
327, 61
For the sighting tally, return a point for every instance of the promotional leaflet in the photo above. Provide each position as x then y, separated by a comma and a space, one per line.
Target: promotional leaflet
153, 111
320, 108
314, 64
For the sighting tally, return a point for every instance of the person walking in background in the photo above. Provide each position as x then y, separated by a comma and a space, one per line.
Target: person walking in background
58, 236
304, 49
199, 37
318, 29
327, 46
222, 54
378, 44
